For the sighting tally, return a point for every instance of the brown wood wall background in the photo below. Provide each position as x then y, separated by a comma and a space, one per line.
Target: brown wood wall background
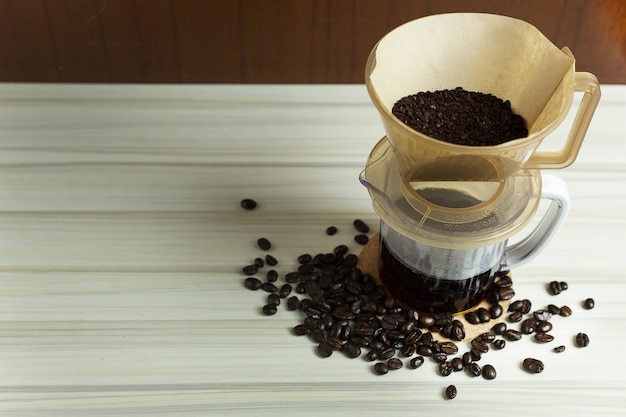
262, 41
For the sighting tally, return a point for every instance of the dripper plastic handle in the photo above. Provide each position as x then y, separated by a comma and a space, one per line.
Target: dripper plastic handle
586, 83
555, 189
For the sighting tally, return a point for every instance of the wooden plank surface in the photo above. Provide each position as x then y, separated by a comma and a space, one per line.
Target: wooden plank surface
122, 239
271, 41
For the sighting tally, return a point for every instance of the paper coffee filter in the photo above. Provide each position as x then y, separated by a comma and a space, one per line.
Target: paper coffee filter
488, 53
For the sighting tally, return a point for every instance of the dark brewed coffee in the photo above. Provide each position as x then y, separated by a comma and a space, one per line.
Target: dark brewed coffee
431, 294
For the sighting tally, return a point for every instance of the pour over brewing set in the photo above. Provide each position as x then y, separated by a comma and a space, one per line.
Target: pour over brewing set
447, 211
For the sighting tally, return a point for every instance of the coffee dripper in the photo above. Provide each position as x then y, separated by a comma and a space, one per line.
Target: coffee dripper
448, 211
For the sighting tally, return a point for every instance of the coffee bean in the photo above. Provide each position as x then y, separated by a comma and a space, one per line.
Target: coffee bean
448, 348
479, 345
293, 303
269, 309
487, 337
361, 226
439, 357
331, 230
264, 244
351, 350
543, 327
259, 262
361, 239
512, 335
554, 309
542, 315
479, 118
528, 326
565, 311
450, 392
325, 349
394, 363
445, 369
559, 349
269, 287
272, 275
270, 260
515, 306
301, 330
554, 288
472, 317
467, 358
563, 285
506, 293
499, 328
457, 364
496, 311
532, 365
589, 303
273, 299
515, 316
473, 369
250, 269
285, 290
499, 344
489, 372
582, 340
252, 283
544, 337
416, 362
381, 368
483, 315
248, 204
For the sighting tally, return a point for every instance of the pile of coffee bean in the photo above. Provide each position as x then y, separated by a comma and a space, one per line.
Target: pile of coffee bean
461, 117
343, 310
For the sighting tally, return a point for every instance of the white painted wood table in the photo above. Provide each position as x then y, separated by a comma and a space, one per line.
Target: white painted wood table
122, 239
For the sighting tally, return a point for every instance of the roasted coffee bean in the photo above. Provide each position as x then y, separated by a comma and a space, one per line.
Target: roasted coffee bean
554, 309
543, 327
381, 368
499, 344
361, 226
493, 124
450, 392
248, 204
264, 244
515, 306
371, 356
325, 349
293, 303
269, 287
512, 335
554, 288
272, 275
252, 283
273, 299
565, 311
467, 358
476, 354
496, 311
515, 316
559, 349
506, 293
318, 335
542, 315
499, 328
472, 317
270, 260
331, 230
457, 364
416, 362
407, 350
544, 337
259, 262
445, 368
439, 357
563, 285
526, 306
340, 250
474, 369
589, 303
487, 337
361, 239
285, 290
269, 309
394, 363
532, 365
448, 348
528, 326
489, 372
387, 353
582, 340
479, 345
426, 321
250, 269
483, 315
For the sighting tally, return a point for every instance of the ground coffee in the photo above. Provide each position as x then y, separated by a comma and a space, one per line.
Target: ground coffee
461, 117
